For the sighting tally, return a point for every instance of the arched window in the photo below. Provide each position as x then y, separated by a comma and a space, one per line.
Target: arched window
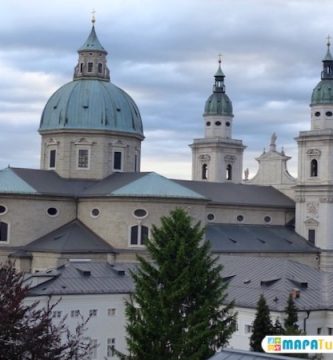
228, 174
3, 231
81, 67
204, 172
100, 68
314, 168
138, 234
90, 66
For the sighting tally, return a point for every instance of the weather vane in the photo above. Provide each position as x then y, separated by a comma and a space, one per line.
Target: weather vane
220, 58
328, 40
93, 19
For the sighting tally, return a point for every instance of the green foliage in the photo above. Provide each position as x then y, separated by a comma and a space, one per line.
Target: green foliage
179, 310
290, 322
262, 325
278, 328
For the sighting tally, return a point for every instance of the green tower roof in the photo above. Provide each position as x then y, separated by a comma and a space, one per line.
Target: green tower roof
92, 42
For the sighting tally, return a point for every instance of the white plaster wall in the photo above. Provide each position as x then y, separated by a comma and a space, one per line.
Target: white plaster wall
100, 327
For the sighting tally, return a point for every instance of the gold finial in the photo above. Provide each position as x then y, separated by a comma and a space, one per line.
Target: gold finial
328, 41
93, 18
220, 58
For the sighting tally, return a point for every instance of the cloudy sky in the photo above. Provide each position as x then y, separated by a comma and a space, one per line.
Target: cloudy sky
164, 54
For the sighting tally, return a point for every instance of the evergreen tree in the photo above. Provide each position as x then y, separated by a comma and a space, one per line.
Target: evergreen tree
262, 325
179, 310
290, 322
27, 331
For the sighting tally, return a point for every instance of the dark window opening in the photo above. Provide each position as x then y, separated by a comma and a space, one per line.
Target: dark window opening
3, 209
139, 234
90, 67
100, 68
52, 211
312, 236
52, 163
140, 213
81, 67
329, 113
83, 159
135, 163
3, 231
217, 123
208, 123
117, 160
317, 113
240, 218
204, 172
227, 124
229, 172
314, 168
210, 217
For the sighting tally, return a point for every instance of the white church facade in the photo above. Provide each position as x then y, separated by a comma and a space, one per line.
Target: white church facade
88, 210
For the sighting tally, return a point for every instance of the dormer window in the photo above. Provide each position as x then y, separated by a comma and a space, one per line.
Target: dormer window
314, 168
90, 66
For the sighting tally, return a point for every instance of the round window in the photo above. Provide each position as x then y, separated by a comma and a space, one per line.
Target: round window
52, 211
95, 212
317, 113
217, 123
227, 124
208, 123
3, 209
140, 213
267, 219
210, 217
240, 218
329, 113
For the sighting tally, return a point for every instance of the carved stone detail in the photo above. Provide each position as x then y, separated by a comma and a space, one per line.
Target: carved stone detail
230, 158
204, 157
313, 152
312, 208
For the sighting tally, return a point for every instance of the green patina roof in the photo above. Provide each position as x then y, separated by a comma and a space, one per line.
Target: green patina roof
12, 183
219, 71
323, 93
92, 42
93, 105
154, 185
218, 104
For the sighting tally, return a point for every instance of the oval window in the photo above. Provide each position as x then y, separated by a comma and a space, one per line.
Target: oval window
217, 123
52, 211
3, 209
140, 213
210, 217
329, 113
267, 219
317, 113
95, 212
227, 124
240, 218
208, 123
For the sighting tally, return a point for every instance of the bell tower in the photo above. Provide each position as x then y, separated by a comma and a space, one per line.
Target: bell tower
218, 157
314, 190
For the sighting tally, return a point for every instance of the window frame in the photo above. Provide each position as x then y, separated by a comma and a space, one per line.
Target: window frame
50, 157
78, 157
139, 235
121, 152
8, 233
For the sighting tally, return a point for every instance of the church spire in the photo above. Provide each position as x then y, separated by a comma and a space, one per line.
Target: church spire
219, 78
92, 58
327, 72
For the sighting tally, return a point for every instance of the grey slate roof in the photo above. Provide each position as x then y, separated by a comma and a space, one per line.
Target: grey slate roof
84, 277
249, 277
48, 182
228, 354
239, 194
226, 238
73, 237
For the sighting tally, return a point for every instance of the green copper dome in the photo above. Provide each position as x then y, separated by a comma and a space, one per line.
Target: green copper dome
91, 105
323, 92
91, 101
218, 103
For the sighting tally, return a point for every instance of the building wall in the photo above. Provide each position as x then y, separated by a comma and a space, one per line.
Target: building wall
116, 216
100, 147
28, 219
101, 327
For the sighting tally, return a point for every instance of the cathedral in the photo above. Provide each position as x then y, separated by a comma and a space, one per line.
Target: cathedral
89, 201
